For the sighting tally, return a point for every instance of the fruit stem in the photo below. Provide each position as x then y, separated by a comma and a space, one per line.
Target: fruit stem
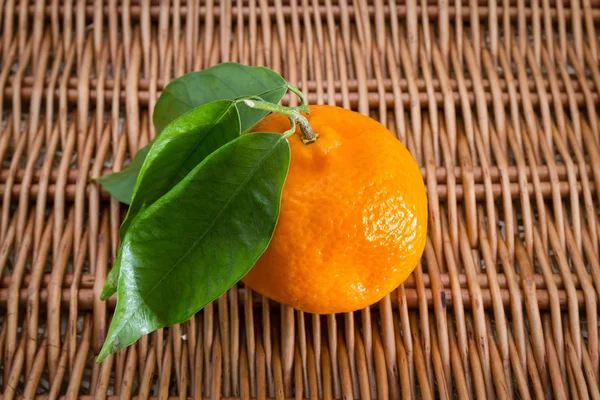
308, 135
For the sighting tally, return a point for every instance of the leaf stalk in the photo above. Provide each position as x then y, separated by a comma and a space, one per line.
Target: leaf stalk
308, 135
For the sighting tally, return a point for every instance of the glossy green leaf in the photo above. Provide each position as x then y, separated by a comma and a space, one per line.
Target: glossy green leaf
226, 81
180, 148
199, 239
120, 184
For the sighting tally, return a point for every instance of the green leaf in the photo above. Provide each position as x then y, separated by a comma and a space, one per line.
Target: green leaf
226, 81
198, 240
180, 148
112, 279
120, 184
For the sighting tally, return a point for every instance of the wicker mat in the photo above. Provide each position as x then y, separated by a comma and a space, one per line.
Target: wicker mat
497, 102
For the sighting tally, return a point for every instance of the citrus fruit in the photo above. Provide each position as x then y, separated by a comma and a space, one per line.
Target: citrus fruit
353, 219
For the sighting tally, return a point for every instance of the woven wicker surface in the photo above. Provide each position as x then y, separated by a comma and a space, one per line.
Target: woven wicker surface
498, 103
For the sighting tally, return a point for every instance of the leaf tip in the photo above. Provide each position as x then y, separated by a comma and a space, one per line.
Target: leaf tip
102, 355
109, 347
107, 291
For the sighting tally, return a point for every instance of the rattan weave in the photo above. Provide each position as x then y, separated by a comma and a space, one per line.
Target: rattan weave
498, 101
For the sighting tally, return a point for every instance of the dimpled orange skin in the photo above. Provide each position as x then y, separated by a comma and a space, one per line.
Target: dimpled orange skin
353, 219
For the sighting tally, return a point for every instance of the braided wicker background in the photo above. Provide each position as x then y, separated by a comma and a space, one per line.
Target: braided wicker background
499, 104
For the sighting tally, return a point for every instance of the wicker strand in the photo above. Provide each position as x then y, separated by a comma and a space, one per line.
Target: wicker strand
498, 102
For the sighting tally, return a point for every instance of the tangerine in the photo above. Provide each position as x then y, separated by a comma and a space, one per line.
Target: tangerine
353, 219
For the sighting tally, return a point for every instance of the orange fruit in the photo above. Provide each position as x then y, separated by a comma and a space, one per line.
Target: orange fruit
353, 219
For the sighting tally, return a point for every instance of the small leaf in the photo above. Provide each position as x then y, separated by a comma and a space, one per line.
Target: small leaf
226, 81
180, 147
120, 184
198, 240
